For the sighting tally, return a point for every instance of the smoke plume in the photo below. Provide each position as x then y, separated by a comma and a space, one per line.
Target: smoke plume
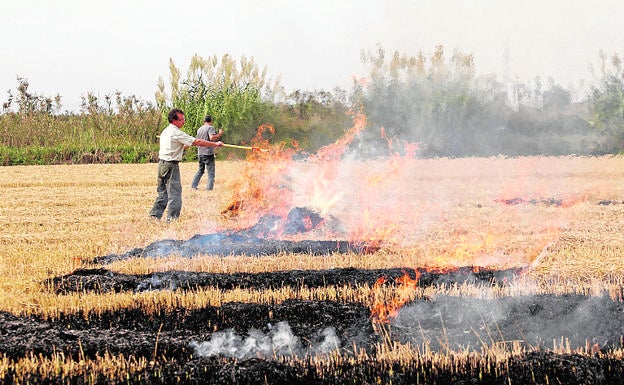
278, 341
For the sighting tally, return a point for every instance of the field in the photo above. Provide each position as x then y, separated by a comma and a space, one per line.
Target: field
498, 270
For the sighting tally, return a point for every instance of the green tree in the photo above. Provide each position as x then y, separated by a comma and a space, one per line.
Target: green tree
430, 101
608, 104
235, 93
313, 118
440, 103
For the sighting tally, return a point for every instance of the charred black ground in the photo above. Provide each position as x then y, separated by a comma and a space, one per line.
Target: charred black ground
266, 237
556, 202
103, 280
550, 202
134, 332
206, 345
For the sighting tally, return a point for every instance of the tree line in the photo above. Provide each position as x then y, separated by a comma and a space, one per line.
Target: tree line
437, 103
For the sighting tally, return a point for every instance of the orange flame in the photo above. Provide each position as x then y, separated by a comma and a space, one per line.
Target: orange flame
336, 150
268, 186
388, 173
383, 310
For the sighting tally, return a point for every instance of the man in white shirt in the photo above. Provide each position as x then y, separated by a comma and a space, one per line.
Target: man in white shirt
173, 141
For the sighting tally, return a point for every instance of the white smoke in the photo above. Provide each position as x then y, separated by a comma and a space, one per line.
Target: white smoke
546, 321
278, 341
155, 283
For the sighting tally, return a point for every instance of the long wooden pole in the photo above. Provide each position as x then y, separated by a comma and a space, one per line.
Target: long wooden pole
244, 147
237, 146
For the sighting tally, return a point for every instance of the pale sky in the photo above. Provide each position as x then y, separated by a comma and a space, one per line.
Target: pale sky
71, 47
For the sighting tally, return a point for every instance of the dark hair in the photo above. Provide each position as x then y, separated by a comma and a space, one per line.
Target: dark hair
208, 119
173, 114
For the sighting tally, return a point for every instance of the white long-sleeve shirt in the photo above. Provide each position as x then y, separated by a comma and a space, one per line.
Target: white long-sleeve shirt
172, 142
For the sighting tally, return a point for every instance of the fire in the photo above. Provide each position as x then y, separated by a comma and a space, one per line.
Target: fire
389, 173
336, 150
411, 149
367, 201
273, 183
374, 230
256, 193
307, 222
467, 250
351, 191
383, 309
323, 198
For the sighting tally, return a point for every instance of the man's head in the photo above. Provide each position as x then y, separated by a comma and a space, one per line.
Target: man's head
176, 117
208, 119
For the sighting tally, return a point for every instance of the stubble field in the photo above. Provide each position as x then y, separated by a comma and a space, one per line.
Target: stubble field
502, 270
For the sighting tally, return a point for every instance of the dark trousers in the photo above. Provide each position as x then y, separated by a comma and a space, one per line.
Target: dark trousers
205, 162
169, 191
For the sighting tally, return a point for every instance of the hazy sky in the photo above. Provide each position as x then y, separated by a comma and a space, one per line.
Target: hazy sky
71, 47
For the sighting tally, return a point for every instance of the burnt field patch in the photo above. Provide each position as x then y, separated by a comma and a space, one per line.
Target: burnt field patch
535, 321
136, 333
269, 236
276, 343
103, 280
223, 244
447, 339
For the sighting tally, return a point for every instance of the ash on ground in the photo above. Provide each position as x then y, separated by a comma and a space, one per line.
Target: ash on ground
263, 238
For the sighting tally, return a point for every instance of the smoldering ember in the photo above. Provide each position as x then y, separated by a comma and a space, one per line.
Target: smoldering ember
259, 239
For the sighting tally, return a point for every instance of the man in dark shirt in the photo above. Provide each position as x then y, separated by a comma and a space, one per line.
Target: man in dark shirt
206, 155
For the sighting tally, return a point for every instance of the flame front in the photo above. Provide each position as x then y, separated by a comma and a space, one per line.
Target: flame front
410, 206
274, 183
386, 304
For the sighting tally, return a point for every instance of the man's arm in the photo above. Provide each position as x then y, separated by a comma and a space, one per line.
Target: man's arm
206, 143
217, 136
